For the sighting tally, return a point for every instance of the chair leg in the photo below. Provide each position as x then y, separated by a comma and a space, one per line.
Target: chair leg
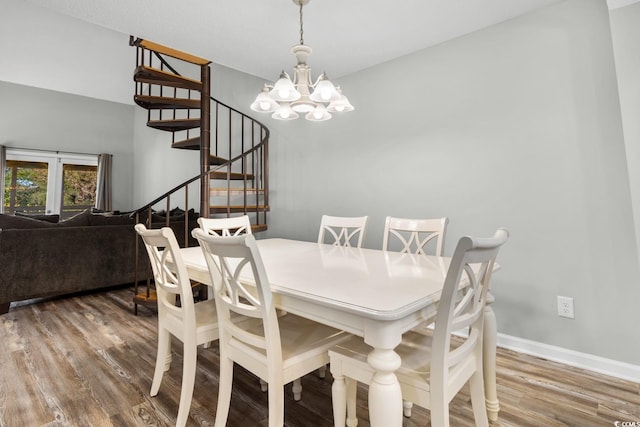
352, 391
297, 389
224, 391
339, 400
406, 408
322, 371
163, 359
439, 411
188, 381
276, 404
476, 387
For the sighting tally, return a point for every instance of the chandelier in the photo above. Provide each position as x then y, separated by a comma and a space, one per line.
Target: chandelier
286, 98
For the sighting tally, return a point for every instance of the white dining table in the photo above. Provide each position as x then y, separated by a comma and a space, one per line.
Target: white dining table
375, 294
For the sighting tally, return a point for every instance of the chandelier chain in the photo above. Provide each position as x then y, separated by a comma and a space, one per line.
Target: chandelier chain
301, 31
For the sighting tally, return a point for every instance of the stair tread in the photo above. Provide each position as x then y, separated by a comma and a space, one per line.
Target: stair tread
174, 124
236, 189
238, 208
259, 227
165, 102
235, 176
145, 74
194, 144
235, 192
187, 144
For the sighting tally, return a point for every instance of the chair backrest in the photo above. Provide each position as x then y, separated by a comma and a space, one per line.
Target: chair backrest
463, 307
342, 231
415, 234
169, 273
232, 226
226, 258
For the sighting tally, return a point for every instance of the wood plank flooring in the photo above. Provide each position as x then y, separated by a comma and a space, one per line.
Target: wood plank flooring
88, 361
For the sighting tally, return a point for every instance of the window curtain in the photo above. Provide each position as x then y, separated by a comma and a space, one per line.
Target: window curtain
3, 167
103, 188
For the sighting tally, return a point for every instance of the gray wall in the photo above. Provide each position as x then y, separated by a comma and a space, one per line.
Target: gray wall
625, 29
65, 85
45, 49
47, 120
519, 126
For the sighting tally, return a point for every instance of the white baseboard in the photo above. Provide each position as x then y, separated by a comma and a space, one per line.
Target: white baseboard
613, 368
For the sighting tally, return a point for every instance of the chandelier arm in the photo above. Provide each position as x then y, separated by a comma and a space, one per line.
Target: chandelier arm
314, 84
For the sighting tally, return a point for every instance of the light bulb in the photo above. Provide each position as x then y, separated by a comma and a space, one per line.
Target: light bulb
317, 114
284, 93
325, 94
339, 108
264, 105
284, 113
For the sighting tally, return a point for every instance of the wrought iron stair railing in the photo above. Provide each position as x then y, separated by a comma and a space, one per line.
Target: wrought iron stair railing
233, 178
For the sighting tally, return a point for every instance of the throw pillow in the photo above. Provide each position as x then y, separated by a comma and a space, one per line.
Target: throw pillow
19, 222
54, 218
79, 220
107, 219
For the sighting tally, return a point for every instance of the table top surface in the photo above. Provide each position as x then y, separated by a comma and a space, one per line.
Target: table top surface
373, 283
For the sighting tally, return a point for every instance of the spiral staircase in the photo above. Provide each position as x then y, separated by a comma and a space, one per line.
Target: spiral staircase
233, 147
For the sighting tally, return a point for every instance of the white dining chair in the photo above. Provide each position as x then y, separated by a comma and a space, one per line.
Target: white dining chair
434, 367
276, 349
415, 234
235, 226
342, 231
190, 322
232, 226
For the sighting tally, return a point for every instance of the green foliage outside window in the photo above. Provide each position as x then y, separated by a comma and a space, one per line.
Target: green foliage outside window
25, 186
79, 188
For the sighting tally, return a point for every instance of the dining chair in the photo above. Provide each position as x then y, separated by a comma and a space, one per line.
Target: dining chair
276, 349
415, 234
231, 226
190, 322
434, 367
412, 236
342, 231
235, 226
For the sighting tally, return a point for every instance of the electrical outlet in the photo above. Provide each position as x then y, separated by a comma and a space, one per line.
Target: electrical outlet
565, 307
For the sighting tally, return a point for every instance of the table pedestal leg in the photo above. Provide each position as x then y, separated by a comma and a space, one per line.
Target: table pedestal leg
489, 343
385, 397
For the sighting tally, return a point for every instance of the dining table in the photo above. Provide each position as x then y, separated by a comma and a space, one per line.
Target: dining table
372, 293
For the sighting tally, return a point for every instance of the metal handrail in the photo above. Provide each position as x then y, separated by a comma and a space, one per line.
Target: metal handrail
195, 178
254, 159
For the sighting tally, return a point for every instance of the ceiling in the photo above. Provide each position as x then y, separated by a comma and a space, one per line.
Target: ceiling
255, 36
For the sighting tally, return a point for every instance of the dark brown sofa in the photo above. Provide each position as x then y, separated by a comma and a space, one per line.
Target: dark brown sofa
87, 252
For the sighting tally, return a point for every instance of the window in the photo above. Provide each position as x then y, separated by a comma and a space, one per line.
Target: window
51, 183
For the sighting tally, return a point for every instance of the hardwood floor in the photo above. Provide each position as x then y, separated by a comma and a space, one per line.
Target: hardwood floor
88, 361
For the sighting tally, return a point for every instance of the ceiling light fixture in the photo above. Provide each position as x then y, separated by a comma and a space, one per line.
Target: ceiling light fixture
286, 98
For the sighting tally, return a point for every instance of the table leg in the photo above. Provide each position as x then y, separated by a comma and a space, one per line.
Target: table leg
385, 397
489, 344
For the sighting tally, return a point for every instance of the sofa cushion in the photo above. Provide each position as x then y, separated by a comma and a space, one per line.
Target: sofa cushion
54, 218
8, 222
110, 219
175, 214
78, 220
